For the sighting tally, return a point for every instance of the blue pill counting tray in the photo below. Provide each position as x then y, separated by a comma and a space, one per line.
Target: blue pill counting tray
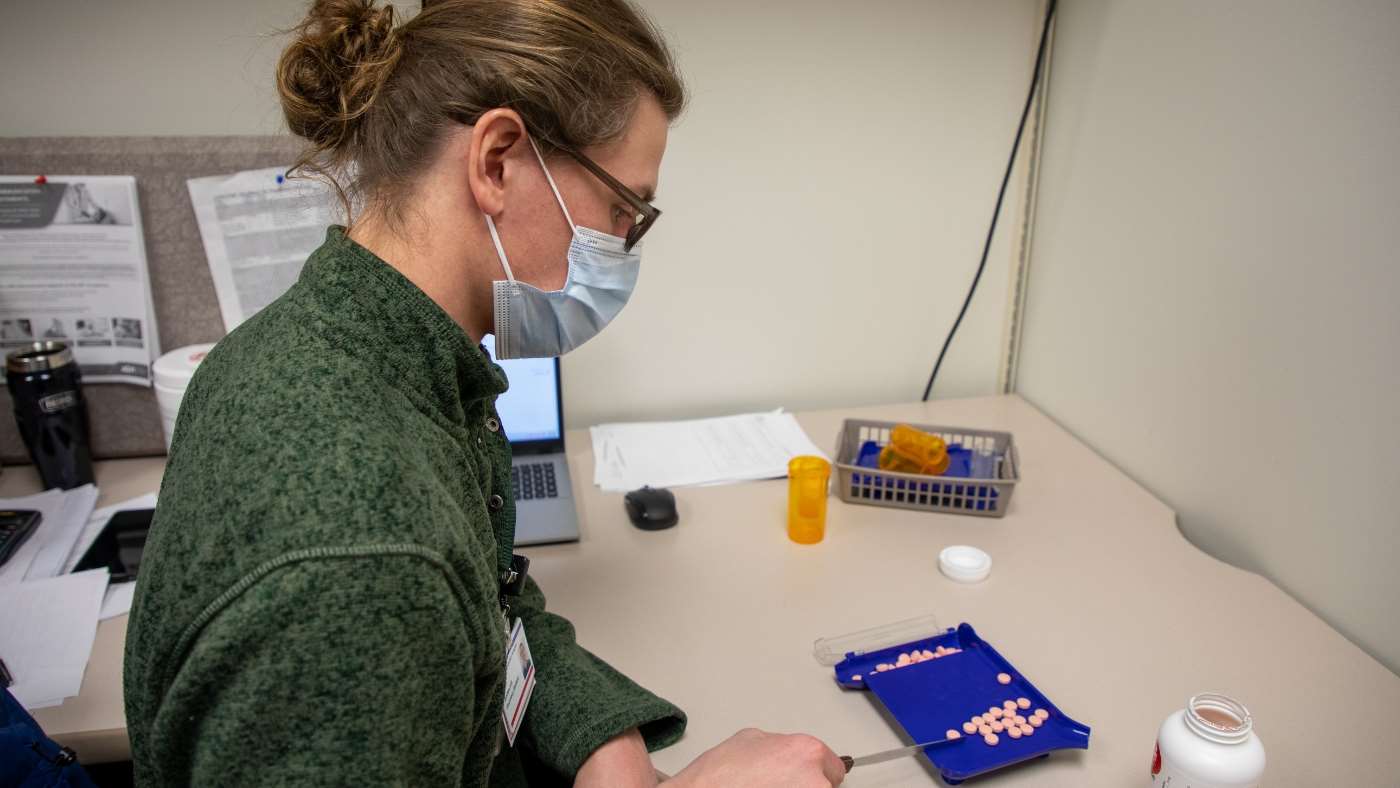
929, 698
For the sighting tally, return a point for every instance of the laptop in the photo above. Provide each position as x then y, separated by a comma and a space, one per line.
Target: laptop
532, 415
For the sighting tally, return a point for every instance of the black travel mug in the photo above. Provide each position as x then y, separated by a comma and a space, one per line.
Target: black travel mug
47, 390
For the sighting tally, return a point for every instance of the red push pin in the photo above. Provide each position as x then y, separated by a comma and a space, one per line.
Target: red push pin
41, 180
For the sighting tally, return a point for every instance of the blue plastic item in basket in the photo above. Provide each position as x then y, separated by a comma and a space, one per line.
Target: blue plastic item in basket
962, 464
929, 698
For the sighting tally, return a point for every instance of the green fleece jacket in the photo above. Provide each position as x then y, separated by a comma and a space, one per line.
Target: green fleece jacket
318, 602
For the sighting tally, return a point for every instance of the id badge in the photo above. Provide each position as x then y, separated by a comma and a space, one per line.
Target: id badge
520, 681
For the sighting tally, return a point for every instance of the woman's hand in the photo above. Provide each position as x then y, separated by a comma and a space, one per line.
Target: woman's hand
622, 762
755, 759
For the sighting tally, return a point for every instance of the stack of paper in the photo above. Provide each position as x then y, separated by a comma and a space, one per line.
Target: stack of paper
46, 632
48, 617
700, 451
46, 552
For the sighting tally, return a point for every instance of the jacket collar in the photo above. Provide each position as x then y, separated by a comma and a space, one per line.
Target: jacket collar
376, 314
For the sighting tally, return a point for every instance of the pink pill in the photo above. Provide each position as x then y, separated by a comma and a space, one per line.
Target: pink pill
969, 728
881, 668
1036, 721
985, 730
855, 677
903, 660
996, 713
990, 738
1019, 720
1042, 713
1010, 706
1027, 730
1013, 732
1004, 678
1024, 703
929, 654
987, 719
951, 734
996, 726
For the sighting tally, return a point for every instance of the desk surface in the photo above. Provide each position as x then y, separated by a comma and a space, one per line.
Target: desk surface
1094, 594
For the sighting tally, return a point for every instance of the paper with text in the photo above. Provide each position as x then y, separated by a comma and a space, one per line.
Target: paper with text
258, 228
700, 451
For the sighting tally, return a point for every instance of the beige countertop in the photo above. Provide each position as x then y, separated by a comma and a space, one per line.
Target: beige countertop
1094, 595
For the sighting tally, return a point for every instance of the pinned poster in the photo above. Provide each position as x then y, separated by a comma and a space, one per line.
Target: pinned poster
73, 268
258, 228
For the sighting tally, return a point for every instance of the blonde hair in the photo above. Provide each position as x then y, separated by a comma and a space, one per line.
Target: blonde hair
374, 98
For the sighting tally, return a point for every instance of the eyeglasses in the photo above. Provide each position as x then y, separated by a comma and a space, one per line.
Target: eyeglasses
647, 214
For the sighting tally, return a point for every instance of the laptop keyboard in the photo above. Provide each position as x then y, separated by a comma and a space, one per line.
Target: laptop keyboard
533, 480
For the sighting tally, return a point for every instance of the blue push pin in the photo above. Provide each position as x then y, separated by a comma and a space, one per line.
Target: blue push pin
280, 178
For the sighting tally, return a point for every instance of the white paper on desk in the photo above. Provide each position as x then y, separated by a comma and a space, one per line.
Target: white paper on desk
47, 628
43, 554
117, 601
98, 521
258, 232
73, 267
700, 451
57, 535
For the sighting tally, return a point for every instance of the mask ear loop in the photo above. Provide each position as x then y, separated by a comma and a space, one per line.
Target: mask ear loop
500, 250
491, 225
553, 187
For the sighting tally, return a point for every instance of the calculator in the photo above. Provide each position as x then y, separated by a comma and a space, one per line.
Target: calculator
16, 525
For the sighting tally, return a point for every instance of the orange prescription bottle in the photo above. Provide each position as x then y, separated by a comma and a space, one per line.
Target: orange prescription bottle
914, 451
807, 486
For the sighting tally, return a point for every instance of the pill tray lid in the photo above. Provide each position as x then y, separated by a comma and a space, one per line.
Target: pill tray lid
831, 650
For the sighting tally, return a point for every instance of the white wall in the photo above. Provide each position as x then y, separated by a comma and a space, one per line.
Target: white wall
826, 195
1214, 282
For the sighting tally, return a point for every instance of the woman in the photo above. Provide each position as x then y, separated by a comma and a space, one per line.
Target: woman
324, 596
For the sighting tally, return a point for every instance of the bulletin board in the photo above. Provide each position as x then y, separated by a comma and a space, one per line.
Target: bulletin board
125, 420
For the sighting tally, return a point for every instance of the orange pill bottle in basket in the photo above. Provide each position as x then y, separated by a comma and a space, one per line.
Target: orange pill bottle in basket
914, 451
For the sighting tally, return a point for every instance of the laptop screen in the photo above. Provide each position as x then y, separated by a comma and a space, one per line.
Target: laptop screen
530, 409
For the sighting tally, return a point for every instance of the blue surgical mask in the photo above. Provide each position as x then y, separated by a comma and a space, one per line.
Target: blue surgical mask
534, 323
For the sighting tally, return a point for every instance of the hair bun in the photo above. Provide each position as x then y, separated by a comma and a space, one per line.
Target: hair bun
330, 74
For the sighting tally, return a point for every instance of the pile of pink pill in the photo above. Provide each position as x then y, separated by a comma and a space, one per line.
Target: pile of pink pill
913, 658
1006, 718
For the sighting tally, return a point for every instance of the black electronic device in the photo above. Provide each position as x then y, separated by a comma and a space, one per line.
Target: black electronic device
119, 546
651, 509
16, 526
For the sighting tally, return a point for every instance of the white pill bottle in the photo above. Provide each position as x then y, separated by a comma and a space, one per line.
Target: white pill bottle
1208, 744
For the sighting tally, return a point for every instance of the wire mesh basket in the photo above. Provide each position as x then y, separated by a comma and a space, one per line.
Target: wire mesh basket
987, 495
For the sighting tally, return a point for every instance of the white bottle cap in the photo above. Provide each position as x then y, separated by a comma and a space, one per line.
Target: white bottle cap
174, 369
964, 564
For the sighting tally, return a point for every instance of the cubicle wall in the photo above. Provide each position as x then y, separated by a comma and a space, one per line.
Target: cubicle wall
826, 192
125, 421
1213, 292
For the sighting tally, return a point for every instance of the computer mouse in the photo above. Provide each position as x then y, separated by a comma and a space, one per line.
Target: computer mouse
651, 509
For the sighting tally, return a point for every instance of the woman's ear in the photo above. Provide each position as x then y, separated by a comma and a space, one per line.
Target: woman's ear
490, 157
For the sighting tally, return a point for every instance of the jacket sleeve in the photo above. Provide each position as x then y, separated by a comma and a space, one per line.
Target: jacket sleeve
327, 672
580, 701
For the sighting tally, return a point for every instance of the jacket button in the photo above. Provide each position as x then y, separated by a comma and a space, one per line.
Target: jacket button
492, 423
495, 502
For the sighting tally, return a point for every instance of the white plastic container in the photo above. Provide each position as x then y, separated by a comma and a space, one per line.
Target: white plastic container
1208, 744
172, 375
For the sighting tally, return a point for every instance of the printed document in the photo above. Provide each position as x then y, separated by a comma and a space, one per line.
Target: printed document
258, 227
700, 451
73, 268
